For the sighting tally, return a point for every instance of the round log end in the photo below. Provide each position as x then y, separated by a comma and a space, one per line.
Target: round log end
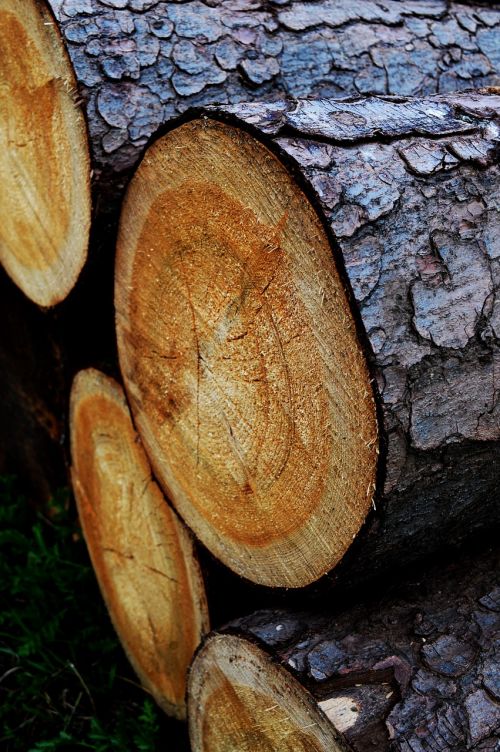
239, 699
240, 356
45, 203
141, 553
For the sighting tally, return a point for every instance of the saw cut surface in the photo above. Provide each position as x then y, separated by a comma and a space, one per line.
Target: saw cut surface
44, 160
240, 356
241, 701
142, 555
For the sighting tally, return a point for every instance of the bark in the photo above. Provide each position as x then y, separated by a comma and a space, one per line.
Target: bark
142, 62
410, 191
416, 671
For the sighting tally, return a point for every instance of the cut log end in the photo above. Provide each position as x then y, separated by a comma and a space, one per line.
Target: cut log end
44, 160
241, 358
239, 699
141, 553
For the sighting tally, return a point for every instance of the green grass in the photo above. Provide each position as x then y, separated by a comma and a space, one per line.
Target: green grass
64, 680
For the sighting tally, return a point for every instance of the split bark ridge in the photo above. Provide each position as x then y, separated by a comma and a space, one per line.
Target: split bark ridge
142, 62
410, 189
141, 553
44, 159
415, 671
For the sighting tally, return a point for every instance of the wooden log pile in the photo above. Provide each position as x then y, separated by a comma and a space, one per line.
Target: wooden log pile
306, 325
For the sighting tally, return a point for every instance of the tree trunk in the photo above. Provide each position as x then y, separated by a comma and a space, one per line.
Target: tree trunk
142, 62
142, 555
240, 354
418, 671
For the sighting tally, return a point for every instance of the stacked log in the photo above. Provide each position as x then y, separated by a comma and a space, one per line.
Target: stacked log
44, 164
234, 329
413, 671
139, 63
307, 321
141, 553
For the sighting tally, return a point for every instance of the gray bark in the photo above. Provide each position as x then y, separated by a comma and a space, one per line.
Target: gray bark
416, 671
410, 190
142, 62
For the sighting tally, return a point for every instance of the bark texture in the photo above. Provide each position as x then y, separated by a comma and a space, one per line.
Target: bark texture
142, 62
418, 671
411, 191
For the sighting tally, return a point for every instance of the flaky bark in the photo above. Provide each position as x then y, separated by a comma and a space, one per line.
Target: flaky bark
418, 671
410, 190
141, 62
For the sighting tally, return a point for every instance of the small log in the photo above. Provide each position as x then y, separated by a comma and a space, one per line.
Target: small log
141, 553
44, 159
241, 356
415, 671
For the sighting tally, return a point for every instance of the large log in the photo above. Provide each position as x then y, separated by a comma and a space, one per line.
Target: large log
44, 159
416, 671
240, 354
142, 62
139, 63
142, 554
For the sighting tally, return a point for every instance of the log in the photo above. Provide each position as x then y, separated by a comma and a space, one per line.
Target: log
139, 63
252, 397
44, 158
142, 62
415, 671
142, 555
245, 360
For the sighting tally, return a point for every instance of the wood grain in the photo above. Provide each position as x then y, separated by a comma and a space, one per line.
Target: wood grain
142, 555
44, 160
240, 356
240, 700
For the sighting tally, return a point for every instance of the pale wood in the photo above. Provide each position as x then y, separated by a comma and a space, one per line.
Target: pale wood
241, 701
142, 555
44, 160
240, 356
